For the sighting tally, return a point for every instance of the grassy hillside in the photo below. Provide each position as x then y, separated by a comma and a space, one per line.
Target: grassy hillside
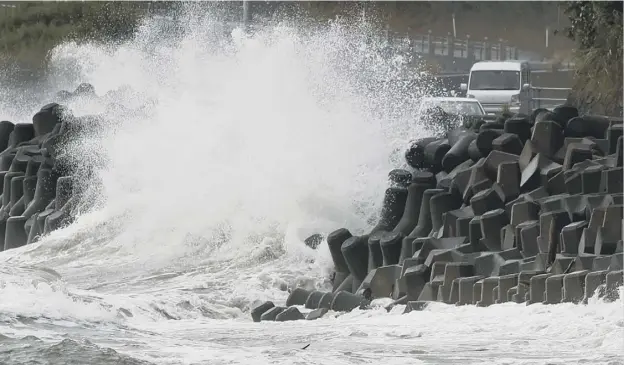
28, 30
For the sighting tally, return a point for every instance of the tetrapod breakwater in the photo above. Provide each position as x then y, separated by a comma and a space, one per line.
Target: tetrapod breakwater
524, 209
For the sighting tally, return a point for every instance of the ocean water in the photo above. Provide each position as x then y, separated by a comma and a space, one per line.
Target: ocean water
222, 152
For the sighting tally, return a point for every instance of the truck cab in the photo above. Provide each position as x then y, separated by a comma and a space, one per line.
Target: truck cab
499, 83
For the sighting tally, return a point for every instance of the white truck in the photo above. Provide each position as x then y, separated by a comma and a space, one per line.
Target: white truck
499, 83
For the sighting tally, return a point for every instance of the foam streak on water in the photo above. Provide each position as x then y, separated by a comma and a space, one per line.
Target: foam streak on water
238, 149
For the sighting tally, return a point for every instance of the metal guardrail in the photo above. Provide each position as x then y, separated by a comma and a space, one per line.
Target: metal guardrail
546, 97
479, 50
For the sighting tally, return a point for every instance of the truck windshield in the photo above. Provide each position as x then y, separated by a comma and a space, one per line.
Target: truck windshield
494, 80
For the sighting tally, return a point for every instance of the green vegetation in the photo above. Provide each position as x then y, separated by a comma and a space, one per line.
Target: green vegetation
29, 30
596, 26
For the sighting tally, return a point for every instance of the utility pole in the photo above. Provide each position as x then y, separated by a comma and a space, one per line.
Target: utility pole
246, 14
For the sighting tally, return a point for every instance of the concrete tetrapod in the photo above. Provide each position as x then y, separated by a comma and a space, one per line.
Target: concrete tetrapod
392, 209
15, 235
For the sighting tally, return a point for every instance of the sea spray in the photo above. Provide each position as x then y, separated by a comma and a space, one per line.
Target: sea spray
233, 149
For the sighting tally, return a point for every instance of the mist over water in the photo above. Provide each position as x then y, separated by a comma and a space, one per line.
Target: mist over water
221, 152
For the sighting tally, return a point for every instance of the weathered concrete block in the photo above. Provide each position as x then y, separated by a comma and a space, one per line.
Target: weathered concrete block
537, 289
600, 263
508, 180
508, 238
289, 314
435, 152
15, 234
573, 182
474, 234
346, 302
563, 113
494, 159
571, 237
391, 245
505, 283
415, 306
486, 200
551, 224
591, 179
375, 256
531, 175
607, 239
429, 293
458, 153
614, 281
456, 222
528, 263
561, 264
476, 187
407, 249
519, 126
508, 143
575, 153
335, 241
487, 287
529, 231
554, 288
556, 184
616, 262
339, 277
423, 228
350, 284
524, 284
547, 137
400, 286
415, 154
588, 240
392, 209
474, 152
298, 296
381, 281
595, 284
399, 178
497, 263
440, 204
259, 309
314, 299
452, 271
410, 216
583, 262
270, 314
484, 140
466, 289
326, 301
611, 180
415, 279
491, 224
587, 126
523, 212
574, 286
316, 314
576, 206
355, 253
